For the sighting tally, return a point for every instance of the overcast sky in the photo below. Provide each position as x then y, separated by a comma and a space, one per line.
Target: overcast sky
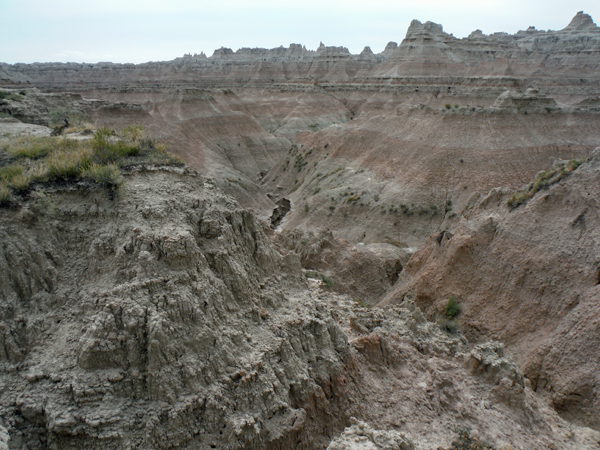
154, 30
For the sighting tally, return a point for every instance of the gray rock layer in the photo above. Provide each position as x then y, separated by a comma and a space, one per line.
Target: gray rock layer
163, 318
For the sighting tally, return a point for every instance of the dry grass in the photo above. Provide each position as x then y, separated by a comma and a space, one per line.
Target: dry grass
5, 194
107, 176
69, 164
21, 182
59, 159
132, 134
37, 148
9, 172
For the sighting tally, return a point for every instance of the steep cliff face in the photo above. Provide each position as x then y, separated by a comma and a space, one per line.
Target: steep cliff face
163, 318
428, 50
528, 277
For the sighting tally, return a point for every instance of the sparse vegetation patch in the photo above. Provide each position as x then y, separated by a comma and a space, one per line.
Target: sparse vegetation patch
543, 180
60, 159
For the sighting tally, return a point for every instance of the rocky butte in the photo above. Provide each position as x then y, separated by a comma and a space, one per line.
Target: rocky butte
286, 283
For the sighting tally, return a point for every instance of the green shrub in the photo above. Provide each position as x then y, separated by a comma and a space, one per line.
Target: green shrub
133, 133
452, 308
58, 116
102, 136
543, 180
328, 281
448, 106
10, 96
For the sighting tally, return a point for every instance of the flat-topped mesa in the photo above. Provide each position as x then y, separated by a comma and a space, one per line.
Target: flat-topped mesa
582, 22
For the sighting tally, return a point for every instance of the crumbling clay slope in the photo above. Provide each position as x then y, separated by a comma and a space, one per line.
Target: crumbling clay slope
528, 276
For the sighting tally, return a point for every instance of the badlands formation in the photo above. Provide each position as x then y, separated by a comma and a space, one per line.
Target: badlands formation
286, 288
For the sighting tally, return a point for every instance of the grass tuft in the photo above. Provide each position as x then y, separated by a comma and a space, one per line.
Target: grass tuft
21, 182
108, 176
5, 194
50, 159
9, 172
68, 165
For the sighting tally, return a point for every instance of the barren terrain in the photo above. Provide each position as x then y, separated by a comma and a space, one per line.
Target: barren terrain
286, 288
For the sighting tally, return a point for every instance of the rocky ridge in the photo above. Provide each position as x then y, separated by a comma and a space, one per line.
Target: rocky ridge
149, 322
530, 53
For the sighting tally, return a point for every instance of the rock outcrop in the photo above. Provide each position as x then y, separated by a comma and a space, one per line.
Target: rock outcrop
528, 277
161, 318
361, 436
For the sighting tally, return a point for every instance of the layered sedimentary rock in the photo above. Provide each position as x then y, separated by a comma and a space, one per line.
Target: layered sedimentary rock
164, 318
375, 155
528, 276
426, 51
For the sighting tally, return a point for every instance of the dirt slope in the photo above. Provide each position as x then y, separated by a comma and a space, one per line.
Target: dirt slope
528, 277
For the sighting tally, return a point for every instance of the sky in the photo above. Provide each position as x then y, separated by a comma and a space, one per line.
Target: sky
138, 31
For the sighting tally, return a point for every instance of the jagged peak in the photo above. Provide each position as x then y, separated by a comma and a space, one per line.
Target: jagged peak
476, 34
581, 22
416, 27
391, 46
